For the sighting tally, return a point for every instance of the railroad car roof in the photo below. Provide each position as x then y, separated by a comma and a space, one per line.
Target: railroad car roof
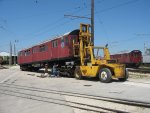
74, 32
126, 52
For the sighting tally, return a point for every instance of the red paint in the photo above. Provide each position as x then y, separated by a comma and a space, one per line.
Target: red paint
64, 49
131, 58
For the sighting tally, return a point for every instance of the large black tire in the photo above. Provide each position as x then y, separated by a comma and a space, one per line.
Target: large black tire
126, 76
77, 73
105, 75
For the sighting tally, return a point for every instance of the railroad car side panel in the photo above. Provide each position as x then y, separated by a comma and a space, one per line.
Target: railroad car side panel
133, 58
25, 56
42, 52
53, 50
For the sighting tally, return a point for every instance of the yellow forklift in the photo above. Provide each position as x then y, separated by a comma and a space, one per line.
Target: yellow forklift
95, 61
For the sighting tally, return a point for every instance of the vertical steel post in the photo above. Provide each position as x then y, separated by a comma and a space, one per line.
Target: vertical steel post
14, 54
10, 55
92, 21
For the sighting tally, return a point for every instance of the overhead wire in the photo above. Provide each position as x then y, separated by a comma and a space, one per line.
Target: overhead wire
60, 19
115, 6
102, 23
119, 5
55, 24
104, 28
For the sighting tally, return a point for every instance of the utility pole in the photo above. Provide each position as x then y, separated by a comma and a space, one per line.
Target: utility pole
14, 54
10, 56
92, 21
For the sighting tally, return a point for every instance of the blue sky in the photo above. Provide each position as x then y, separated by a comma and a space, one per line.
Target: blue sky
123, 24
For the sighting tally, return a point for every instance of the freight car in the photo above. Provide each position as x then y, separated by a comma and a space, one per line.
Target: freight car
131, 59
58, 50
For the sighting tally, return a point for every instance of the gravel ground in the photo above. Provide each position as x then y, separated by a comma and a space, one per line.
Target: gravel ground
136, 88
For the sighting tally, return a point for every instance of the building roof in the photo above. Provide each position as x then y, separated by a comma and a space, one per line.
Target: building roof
5, 54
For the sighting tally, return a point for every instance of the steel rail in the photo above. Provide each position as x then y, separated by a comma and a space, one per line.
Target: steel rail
33, 98
139, 70
114, 100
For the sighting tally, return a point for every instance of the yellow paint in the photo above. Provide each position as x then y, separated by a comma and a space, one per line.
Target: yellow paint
92, 66
90, 71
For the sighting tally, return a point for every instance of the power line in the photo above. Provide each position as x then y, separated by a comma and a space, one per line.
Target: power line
76, 16
104, 28
56, 26
115, 6
51, 25
118, 5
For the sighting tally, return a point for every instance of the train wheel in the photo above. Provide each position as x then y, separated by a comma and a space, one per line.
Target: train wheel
77, 73
105, 75
126, 76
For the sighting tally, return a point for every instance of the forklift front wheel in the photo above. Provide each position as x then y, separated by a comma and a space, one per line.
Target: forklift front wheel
77, 73
105, 75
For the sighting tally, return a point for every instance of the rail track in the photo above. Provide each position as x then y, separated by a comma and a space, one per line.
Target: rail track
139, 70
20, 91
2, 67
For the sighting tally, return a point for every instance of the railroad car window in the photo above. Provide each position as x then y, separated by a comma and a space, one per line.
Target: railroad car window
27, 52
84, 28
54, 43
66, 41
43, 48
19, 54
34, 50
22, 53
75, 39
136, 55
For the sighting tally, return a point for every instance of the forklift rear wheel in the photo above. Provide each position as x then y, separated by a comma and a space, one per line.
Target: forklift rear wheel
77, 73
126, 76
105, 75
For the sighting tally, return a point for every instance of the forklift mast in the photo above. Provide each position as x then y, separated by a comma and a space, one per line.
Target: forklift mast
87, 49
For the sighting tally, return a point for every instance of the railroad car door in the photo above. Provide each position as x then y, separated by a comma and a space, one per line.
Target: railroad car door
20, 57
72, 39
55, 49
43, 49
35, 53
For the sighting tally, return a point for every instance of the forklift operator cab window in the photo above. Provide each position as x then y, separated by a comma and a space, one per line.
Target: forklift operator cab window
84, 28
98, 54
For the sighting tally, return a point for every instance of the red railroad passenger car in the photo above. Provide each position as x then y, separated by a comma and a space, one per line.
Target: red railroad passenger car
131, 59
58, 50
